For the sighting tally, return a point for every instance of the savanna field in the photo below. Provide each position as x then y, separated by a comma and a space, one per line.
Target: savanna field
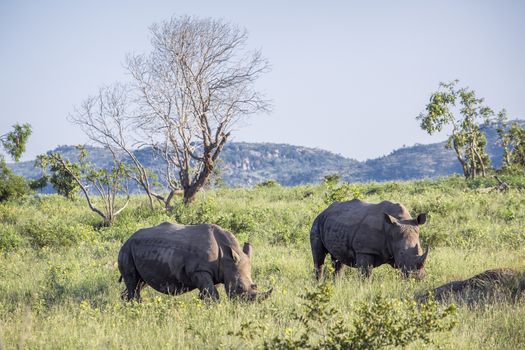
59, 278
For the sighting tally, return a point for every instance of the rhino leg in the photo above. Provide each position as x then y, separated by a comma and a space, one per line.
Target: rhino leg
338, 267
319, 254
134, 283
204, 283
319, 251
365, 263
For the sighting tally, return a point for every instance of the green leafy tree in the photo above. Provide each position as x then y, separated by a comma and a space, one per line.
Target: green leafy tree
63, 181
517, 136
512, 139
503, 137
14, 144
460, 109
101, 185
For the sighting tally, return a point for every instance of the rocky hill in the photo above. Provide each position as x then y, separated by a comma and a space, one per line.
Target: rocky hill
246, 164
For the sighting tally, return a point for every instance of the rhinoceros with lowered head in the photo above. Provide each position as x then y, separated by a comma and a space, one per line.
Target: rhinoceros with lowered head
366, 235
174, 259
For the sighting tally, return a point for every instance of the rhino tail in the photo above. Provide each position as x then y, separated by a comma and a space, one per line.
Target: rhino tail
120, 279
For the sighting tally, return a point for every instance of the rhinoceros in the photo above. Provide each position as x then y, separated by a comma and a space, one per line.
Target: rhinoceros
490, 285
174, 259
366, 235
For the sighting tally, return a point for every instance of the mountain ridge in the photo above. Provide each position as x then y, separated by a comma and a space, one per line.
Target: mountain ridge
246, 164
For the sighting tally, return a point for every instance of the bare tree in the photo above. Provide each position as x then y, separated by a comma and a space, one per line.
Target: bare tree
105, 118
196, 83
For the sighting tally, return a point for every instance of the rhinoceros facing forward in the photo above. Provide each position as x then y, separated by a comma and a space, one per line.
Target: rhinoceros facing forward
174, 259
366, 235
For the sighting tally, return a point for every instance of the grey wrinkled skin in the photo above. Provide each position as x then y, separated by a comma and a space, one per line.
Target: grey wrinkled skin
174, 259
365, 235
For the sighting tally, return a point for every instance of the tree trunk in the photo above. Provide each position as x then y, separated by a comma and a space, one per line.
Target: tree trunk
473, 163
506, 158
190, 190
150, 199
167, 202
480, 159
190, 193
461, 161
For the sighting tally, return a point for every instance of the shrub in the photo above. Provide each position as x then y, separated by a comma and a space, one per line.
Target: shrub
399, 322
240, 223
438, 205
11, 185
341, 193
195, 213
331, 179
267, 184
57, 283
377, 324
55, 232
10, 239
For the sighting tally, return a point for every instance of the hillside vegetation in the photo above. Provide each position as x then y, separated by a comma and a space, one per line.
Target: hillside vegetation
246, 164
59, 289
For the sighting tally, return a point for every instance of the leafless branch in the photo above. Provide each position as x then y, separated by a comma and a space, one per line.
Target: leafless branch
197, 82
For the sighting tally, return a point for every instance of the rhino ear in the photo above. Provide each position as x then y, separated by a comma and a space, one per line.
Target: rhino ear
247, 249
390, 219
421, 218
228, 251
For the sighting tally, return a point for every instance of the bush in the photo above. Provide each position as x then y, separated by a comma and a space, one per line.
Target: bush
267, 184
10, 239
11, 185
398, 322
54, 232
341, 193
331, 179
193, 214
439, 205
380, 323
57, 283
240, 223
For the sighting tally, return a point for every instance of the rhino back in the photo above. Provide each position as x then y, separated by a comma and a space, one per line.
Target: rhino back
167, 255
357, 227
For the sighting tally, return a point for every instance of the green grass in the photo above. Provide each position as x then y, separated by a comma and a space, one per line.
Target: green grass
58, 275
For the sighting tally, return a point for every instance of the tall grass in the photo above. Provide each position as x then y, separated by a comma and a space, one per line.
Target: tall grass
59, 278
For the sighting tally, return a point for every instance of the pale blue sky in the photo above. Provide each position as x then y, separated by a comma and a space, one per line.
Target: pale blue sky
347, 76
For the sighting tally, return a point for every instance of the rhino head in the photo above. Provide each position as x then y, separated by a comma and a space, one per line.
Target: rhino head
405, 245
237, 270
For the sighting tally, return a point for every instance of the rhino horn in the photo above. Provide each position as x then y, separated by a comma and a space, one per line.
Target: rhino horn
264, 295
422, 259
